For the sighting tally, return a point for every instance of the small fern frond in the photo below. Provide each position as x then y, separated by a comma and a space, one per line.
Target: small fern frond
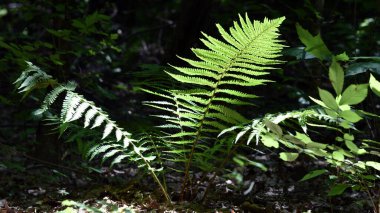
75, 107
33, 78
268, 130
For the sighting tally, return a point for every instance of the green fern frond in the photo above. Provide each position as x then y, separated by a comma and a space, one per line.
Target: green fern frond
214, 83
269, 125
75, 107
246, 52
33, 78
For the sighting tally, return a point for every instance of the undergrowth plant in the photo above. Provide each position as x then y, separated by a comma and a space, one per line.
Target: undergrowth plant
199, 113
354, 153
75, 107
216, 80
196, 115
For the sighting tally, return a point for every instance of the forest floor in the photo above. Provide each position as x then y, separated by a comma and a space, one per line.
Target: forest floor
32, 185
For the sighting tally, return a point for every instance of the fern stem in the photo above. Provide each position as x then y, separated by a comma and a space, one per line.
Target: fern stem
211, 181
151, 170
161, 163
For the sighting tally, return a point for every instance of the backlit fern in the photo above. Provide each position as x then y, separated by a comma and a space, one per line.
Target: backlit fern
246, 54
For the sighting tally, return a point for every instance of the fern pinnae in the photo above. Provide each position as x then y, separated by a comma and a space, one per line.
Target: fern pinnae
74, 102
217, 63
79, 111
197, 72
52, 96
66, 105
108, 129
89, 116
99, 120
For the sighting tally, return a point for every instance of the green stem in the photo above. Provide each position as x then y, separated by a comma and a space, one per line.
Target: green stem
161, 163
211, 181
151, 170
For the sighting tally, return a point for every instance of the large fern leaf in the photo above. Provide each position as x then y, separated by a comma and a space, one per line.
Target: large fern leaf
218, 82
246, 53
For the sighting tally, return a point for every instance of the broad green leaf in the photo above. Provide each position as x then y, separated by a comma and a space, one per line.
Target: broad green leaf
316, 152
362, 67
348, 137
373, 164
344, 107
338, 189
269, 140
314, 44
288, 156
346, 153
374, 85
293, 140
331, 113
316, 145
354, 94
275, 128
360, 164
336, 76
351, 146
350, 116
328, 99
303, 137
345, 124
342, 57
313, 174
338, 155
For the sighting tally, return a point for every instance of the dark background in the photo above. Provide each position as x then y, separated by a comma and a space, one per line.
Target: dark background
114, 48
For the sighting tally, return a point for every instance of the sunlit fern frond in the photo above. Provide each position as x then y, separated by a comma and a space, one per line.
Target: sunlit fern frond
218, 83
246, 53
33, 78
290, 131
76, 108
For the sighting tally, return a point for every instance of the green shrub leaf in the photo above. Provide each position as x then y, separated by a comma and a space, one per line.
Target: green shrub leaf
313, 174
342, 57
275, 128
338, 155
374, 85
350, 116
354, 94
338, 189
336, 76
314, 44
328, 99
269, 141
362, 67
373, 164
288, 156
